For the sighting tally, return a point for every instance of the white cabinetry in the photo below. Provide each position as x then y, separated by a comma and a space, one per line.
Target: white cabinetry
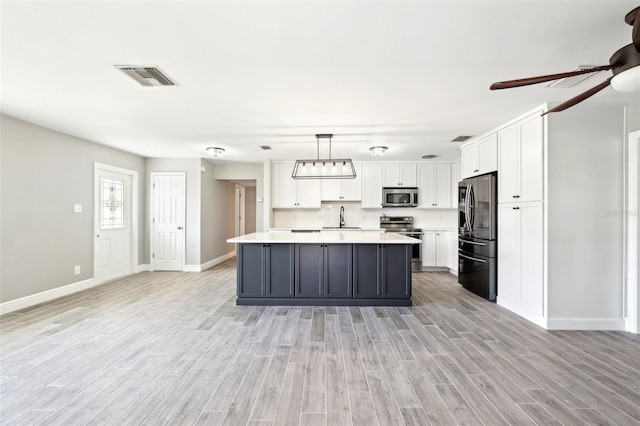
520, 160
289, 193
434, 252
452, 251
434, 186
456, 177
559, 254
343, 189
480, 156
400, 174
520, 256
371, 186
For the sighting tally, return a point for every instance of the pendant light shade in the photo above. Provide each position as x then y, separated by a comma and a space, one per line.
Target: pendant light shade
324, 168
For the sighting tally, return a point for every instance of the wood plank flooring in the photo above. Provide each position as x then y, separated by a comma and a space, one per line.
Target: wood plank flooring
172, 348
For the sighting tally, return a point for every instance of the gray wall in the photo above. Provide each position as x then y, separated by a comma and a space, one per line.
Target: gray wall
585, 205
192, 224
43, 174
250, 209
217, 223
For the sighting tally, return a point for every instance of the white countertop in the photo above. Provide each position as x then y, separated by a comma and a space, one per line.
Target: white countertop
324, 237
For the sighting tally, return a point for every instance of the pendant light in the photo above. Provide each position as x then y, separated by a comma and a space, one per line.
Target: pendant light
324, 168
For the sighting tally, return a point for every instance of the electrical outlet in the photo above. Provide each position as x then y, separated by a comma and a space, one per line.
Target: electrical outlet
77, 208
76, 269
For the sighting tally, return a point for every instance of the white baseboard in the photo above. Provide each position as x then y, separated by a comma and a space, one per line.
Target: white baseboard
631, 325
45, 296
143, 268
209, 264
191, 268
586, 324
518, 310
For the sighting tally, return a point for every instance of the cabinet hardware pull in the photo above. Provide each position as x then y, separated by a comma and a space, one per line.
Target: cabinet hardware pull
516, 208
476, 170
516, 196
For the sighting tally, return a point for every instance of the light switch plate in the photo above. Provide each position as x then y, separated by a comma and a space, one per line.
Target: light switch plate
77, 208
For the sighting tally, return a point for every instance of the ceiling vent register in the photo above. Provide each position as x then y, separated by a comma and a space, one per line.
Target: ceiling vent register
147, 76
567, 82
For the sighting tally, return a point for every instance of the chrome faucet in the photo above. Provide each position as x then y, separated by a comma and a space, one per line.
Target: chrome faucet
341, 216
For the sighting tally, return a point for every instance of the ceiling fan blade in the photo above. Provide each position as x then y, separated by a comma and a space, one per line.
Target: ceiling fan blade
543, 78
635, 33
581, 97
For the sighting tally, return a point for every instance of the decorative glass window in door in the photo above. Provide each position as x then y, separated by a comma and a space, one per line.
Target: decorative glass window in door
112, 204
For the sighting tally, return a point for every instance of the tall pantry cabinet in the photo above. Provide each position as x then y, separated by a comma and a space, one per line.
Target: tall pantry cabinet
559, 253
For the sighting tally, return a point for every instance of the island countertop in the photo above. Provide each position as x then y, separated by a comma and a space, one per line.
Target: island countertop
324, 238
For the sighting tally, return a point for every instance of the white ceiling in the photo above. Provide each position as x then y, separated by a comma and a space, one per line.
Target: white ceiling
408, 75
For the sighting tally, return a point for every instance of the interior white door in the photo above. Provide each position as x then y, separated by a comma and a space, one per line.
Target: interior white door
168, 221
240, 210
113, 225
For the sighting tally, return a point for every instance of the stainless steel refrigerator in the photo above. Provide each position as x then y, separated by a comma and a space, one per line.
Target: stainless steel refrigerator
478, 235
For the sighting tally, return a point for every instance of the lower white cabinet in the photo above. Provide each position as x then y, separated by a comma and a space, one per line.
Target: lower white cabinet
520, 254
452, 251
434, 252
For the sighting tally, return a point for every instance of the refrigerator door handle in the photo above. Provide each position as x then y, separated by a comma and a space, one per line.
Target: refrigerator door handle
472, 202
466, 208
471, 258
462, 240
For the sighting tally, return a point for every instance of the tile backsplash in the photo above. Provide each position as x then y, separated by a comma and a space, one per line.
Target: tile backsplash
329, 215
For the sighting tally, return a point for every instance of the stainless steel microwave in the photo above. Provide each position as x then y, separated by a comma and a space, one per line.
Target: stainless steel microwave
399, 197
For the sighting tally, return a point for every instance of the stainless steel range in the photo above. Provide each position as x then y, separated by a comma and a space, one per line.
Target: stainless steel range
404, 225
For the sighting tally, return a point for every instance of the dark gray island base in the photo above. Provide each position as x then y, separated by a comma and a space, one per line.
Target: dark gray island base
324, 274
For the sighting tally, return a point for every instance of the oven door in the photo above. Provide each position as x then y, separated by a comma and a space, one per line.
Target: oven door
477, 273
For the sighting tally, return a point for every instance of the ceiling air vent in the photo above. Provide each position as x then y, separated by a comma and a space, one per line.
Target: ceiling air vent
147, 76
265, 147
461, 138
564, 83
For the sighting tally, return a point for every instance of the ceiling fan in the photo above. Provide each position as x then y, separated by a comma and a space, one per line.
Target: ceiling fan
624, 64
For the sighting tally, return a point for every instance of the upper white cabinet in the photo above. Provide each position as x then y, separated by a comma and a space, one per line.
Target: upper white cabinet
480, 156
400, 174
434, 186
371, 186
290, 193
520, 160
456, 177
343, 189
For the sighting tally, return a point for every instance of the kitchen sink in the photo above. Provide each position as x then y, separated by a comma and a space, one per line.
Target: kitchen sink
341, 227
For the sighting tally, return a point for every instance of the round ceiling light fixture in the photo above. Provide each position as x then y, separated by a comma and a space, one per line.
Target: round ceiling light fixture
215, 151
378, 150
429, 156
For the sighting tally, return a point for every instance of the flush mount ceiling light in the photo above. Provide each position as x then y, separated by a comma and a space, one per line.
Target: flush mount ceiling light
324, 168
429, 156
378, 150
215, 151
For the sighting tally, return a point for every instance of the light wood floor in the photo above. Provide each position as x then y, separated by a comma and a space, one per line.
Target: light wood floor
172, 348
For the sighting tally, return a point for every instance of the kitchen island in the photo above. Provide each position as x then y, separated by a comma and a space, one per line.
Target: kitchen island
324, 269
